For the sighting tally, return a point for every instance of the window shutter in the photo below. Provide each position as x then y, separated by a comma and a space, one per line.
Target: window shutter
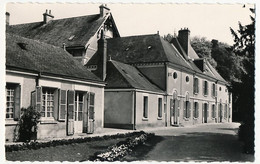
17, 96
194, 85
198, 86
62, 104
194, 110
207, 110
91, 113
70, 113
171, 107
212, 90
203, 115
178, 106
38, 98
85, 114
184, 109
33, 99
197, 110
189, 109
56, 104
215, 111
212, 111
203, 89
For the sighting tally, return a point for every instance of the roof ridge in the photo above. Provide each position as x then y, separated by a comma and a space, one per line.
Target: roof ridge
131, 36
54, 19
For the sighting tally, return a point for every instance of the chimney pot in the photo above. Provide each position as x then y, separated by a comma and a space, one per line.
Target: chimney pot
104, 10
47, 17
7, 18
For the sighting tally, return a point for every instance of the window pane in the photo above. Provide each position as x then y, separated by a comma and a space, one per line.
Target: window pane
75, 118
80, 116
80, 107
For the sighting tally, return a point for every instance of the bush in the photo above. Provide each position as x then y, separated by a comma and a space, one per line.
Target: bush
27, 125
246, 135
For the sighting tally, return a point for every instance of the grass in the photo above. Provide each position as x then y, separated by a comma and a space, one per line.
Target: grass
71, 152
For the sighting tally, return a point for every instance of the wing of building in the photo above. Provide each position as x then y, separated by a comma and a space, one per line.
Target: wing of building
81, 75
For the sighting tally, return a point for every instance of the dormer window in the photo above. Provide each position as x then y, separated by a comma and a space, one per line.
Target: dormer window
71, 38
22, 46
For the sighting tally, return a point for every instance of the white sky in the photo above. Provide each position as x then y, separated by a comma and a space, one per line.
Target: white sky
208, 20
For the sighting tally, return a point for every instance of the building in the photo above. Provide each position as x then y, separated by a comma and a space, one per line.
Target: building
149, 81
68, 96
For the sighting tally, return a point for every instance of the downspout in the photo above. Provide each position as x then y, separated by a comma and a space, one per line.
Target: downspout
134, 100
166, 89
37, 79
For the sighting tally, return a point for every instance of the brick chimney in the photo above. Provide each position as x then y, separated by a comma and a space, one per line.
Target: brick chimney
47, 16
7, 18
184, 39
104, 10
102, 53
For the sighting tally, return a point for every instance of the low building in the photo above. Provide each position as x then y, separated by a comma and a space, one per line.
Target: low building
68, 96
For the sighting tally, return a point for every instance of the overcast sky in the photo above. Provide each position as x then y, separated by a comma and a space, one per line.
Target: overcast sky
208, 20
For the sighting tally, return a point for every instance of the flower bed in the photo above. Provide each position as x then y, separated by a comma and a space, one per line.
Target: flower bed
38, 145
122, 148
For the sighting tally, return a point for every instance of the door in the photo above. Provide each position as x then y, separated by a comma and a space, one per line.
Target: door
78, 115
91, 113
176, 112
205, 112
70, 113
220, 113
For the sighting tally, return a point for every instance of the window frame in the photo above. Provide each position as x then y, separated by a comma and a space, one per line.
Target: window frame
196, 110
196, 85
160, 108
10, 87
45, 109
205, 88
145, 108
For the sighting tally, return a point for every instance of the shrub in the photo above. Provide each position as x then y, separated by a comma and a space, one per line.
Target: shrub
27, 125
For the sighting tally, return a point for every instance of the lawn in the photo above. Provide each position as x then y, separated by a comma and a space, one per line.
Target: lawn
71, 152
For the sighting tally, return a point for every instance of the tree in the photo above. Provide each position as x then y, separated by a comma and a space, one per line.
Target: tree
244, 47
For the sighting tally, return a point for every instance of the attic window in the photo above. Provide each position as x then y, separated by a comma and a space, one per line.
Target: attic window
124, 71
140, 74
70, 38
22, 46
127, 49
149, 47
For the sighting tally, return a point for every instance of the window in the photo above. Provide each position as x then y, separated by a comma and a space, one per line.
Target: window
47, 102
213, 90
187, 79
175, 75
196, 110
145, 107
205, 89
12, 101
159, 107
196, 86
213, 110
91, 110
219, 88
186, 112
225, 111
9, 102
78, 106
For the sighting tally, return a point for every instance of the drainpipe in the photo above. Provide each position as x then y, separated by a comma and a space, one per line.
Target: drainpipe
134, 100
37, 79
166, 88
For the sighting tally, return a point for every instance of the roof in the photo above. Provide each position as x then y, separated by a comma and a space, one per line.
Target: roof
142, 49
122, 75
30, 55
74, 31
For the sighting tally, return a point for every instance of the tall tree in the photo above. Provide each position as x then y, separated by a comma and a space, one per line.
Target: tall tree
244, 47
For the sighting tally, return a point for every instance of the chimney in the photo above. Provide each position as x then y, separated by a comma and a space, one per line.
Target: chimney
104, 10
184, 39
47, 16
102, 53
7, 18
214, 43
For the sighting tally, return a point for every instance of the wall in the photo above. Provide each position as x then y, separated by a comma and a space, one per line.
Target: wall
52, 128
152, 120
27, 83
118, 110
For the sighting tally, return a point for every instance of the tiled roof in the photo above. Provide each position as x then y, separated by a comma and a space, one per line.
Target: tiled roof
30, 55
142, 49
74, 31
122, 75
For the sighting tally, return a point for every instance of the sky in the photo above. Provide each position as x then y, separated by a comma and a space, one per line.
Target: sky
212, 21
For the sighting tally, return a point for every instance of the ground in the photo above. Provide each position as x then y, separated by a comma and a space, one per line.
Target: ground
207, 142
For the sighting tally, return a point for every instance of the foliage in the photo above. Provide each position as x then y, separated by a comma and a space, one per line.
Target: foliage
244, 47
27, 125
38, 145
116, 152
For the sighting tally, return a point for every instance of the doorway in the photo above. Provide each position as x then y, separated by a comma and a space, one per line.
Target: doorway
78, 113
